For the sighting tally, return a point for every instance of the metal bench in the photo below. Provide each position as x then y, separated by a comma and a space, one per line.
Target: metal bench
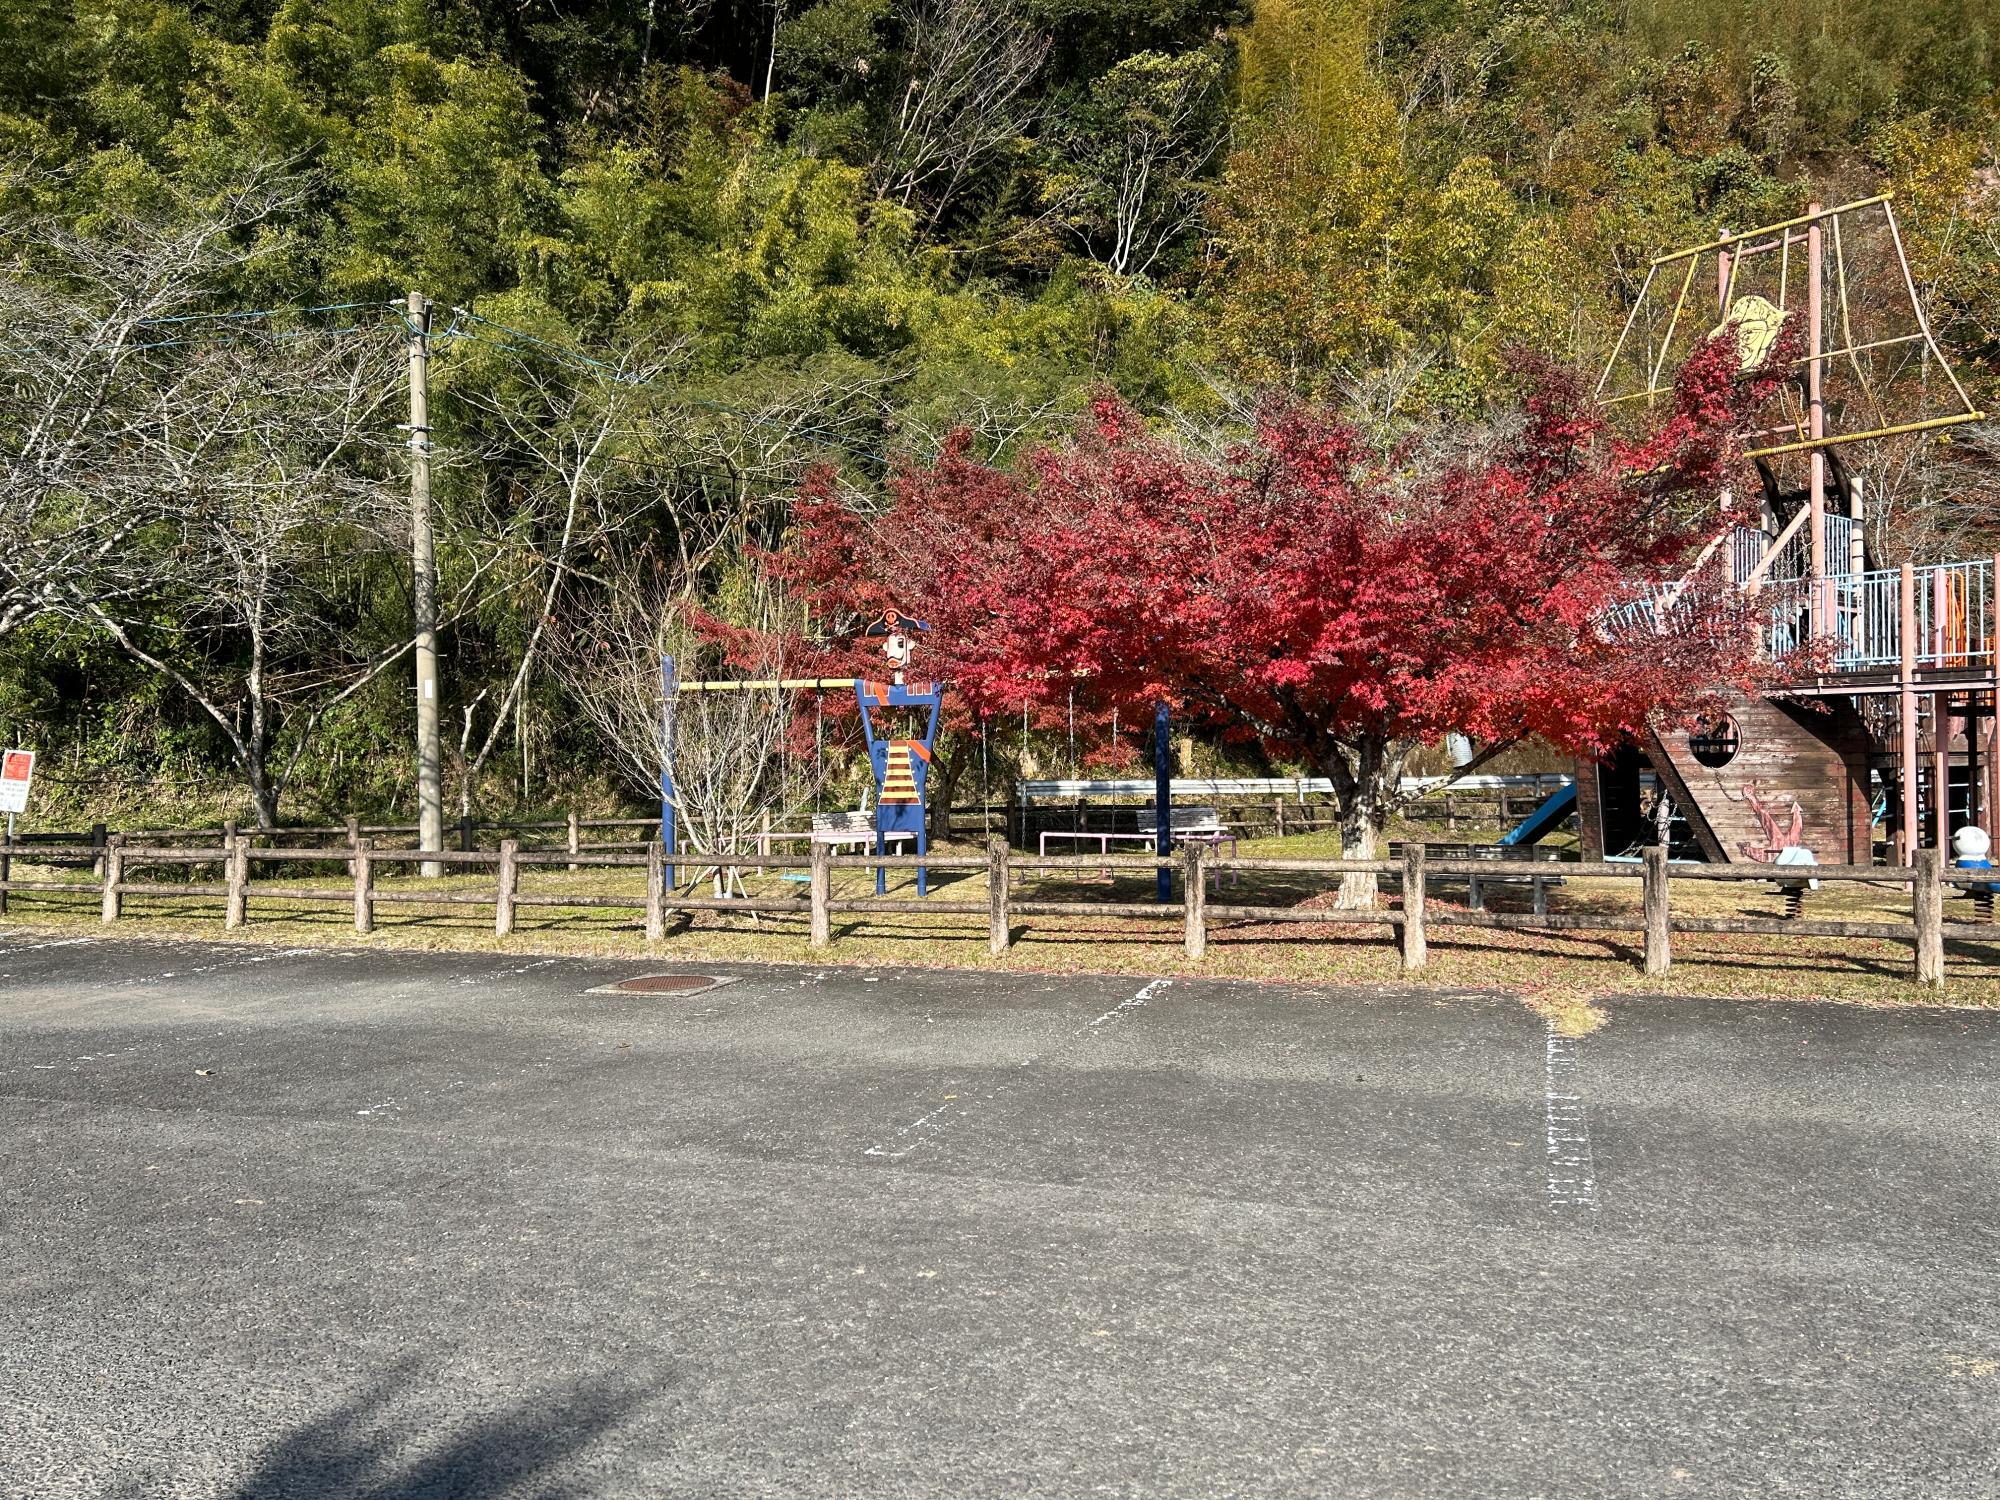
1195, 825
852, 828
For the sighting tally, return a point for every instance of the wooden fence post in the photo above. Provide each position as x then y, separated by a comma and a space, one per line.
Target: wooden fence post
1416, 946
574, 839
998, 934
656, 890
238, 867
98, 838
1279, 807
228, 832
1927, 913
364, 887
821, 888
353, 837
509, 883
1195, 897
1653, 895
114, 873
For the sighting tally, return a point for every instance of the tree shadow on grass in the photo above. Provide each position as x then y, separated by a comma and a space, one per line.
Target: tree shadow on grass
361, 1449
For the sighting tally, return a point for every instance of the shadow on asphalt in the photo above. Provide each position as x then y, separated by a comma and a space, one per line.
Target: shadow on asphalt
359, 1450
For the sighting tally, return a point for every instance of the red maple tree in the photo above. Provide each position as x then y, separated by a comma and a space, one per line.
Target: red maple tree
1336, 604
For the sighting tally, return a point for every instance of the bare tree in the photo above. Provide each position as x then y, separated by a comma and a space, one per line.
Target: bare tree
250, 584
1150, 128
727, 747
729, 458
564, 479
963, 95
94, 372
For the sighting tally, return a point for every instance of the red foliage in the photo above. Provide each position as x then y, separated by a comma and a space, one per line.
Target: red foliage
1304, 590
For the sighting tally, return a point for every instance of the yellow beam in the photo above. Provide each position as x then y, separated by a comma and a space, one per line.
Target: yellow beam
1874, 432
1751, 234
780, 683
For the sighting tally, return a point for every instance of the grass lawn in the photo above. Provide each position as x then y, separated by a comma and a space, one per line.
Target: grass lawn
1557, 970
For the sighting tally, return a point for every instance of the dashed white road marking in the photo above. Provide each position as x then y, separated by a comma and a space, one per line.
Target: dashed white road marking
1572, 1172
916, 1133
229, 961
36, 947
540, 963
925, 1129
1124, 1005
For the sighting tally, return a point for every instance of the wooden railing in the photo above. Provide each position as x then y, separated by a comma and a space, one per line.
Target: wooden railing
1253, 817
1410, 920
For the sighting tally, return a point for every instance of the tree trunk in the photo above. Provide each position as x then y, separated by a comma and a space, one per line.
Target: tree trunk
1357, 841
1365, 773
948, 768
263, 795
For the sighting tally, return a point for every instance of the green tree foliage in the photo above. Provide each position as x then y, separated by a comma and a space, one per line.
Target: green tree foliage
844, 228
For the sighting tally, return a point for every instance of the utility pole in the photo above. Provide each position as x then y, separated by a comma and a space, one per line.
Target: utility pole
423, 556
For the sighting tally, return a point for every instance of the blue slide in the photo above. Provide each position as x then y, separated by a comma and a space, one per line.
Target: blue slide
1544, 819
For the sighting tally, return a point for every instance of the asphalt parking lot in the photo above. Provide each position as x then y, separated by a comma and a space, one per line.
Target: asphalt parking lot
322, 1223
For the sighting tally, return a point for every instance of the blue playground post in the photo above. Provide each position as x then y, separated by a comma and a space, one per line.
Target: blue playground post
902, 768
1163, 797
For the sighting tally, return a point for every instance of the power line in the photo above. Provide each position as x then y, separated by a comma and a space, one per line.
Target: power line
245, 313
530, 343
498, 335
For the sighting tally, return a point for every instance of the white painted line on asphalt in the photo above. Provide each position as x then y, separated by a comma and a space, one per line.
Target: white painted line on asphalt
1124, 1005
37, 947
927, 1126
238, 960
1572, 1172
540, 963
919, 1131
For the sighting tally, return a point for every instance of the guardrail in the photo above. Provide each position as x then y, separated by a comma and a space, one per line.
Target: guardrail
1410, 920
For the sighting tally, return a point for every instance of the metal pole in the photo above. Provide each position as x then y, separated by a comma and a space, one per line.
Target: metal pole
1941, 770
1857, 536
669, 799
1816, 417
1906, 705
1163, 796
423, 566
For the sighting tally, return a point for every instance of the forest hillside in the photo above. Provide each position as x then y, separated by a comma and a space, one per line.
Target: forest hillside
677, 252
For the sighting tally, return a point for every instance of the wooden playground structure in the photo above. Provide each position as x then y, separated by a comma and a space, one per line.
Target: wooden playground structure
1898, 687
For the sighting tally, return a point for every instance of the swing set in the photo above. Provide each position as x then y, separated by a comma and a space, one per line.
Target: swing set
900, 763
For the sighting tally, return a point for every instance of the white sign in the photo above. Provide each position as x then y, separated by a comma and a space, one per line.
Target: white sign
17, 773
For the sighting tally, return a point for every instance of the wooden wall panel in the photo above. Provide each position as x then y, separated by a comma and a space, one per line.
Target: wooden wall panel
1813, 754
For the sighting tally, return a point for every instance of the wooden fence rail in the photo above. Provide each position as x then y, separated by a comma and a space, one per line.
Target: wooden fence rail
1198, 866
1251, 817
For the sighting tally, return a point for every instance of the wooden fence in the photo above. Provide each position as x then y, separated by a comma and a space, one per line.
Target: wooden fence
1195, 912
576, 834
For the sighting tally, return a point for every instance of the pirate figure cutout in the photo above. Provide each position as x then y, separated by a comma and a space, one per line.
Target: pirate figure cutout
902, 763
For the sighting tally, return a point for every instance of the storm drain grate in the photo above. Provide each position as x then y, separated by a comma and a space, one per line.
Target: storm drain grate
661, 984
